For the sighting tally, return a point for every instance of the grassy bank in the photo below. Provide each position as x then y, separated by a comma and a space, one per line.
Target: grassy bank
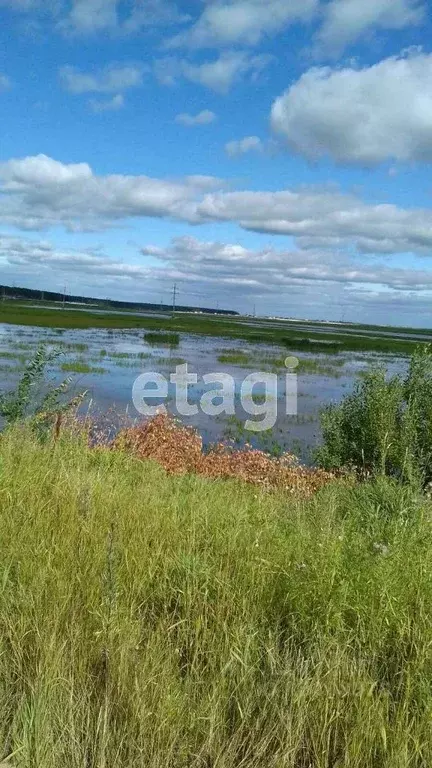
236, 328
151, 620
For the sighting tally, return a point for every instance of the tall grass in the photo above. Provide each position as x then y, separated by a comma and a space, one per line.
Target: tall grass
150, 620
385, 425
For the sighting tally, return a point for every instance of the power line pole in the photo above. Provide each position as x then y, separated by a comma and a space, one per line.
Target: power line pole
174, 298
64, 297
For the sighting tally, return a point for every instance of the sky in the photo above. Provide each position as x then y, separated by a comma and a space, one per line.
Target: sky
264, 155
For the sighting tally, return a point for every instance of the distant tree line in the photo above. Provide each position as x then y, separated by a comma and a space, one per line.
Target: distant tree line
12, 292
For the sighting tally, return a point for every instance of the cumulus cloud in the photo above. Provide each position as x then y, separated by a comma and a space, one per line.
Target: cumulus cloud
112, 79
242, 146
85, 271
86, 17
92, 15
360, 116
89, 16
110, 105
202, 118
287, 280
295, 282
39, 192
347, 20
219, 74
243, 22
324, 218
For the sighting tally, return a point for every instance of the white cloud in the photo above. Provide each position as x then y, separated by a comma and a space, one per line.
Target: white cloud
39, 192
5, 82
346, 20
219, 75
111, 105
285, 281
243, 22
324, 219
242, 146
92, 15
84, 271
112, 79
202, 118
295, 282
362, 116
230, 67
120, 16
85, 17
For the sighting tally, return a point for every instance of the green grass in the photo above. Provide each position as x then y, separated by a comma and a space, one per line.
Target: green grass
163, 339
148, 620
80, 366
267, 360
172, 361
235, 358
6, 355
330, 341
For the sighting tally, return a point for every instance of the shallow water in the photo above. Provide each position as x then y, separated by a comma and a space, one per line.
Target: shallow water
112, 388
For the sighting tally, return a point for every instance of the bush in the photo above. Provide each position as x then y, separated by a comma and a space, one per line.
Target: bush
385, 425
35, 400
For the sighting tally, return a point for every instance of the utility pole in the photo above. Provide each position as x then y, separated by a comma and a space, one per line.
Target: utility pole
64, 297
174, 298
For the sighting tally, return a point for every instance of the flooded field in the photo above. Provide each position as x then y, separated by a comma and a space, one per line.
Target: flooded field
106, 363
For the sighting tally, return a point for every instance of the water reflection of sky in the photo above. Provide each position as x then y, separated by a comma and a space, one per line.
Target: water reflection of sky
113, 388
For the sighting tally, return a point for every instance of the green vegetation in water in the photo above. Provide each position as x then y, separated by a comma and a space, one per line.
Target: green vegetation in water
32, 400
150, 618
236, 433
81, 366
162, 339
173, 361
276, 363
235, 358
77, 347
6, 355
329, 341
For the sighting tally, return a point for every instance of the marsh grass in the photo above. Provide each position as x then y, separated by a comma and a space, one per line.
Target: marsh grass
269, 361
324, 339
152, 620
235, 358
167, 338
81, 366
8, 355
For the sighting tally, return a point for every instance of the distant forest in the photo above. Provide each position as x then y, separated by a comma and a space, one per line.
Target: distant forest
12, 292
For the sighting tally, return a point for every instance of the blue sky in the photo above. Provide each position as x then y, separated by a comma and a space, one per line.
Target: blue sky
273, 153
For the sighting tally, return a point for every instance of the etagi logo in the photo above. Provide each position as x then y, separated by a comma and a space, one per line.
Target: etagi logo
258, 394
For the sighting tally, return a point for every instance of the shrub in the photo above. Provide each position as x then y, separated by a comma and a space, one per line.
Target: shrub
385, 425
33, 399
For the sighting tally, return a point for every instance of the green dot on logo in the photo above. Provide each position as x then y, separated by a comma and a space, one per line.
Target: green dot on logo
291, 362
